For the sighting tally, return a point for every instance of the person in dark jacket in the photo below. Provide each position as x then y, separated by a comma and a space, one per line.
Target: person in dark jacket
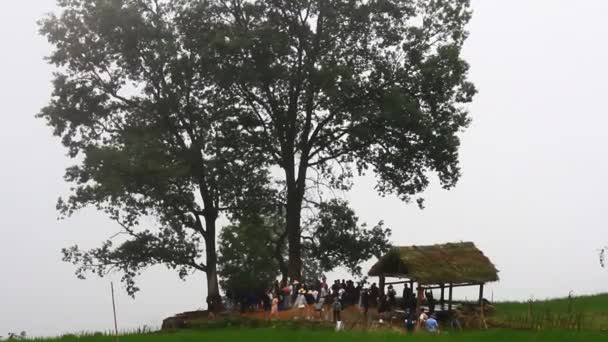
374, 293
410, 323
365, 302
392, 296
430, 301
383, 307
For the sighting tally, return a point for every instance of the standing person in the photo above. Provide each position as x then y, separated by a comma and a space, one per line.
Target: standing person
314, 295
320, 300
229, 299
270, 295
337, 308
295, 290
286, 297
410, 323
335, 287
274, 311
430, 300
365, 302
392, 296
341, 295
323, 291
420, 297
412, 304
311, 299
350, 292
382, 307
405, 296
266, 299
422, 319
281, 300
455, 320
300, 302
374, 293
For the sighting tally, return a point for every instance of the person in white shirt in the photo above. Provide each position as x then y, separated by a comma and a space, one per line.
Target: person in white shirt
422, 319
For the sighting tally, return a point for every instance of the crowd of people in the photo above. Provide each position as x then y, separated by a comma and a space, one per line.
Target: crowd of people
319, 296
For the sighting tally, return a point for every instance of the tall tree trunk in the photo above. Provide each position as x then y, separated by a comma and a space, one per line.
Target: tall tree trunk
214, 299
294, 207
295, 197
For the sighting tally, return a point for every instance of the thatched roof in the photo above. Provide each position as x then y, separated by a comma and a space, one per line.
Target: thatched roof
456, 263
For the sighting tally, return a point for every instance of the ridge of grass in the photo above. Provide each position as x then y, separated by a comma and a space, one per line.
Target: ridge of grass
269, 334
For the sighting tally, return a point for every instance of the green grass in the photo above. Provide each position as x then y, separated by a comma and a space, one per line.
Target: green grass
267, 335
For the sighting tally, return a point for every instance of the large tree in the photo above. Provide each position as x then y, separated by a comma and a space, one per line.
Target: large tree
247, 259
156, 146
253, 251
335, 238
333, 87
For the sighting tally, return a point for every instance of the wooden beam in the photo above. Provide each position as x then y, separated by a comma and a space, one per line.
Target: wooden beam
382, 281
438, 287
480, 294
397, 282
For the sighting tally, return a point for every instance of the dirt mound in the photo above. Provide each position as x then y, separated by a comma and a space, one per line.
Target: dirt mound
350, 315
184, 319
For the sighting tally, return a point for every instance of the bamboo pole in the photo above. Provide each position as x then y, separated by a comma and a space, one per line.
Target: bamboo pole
483, 316
114, 309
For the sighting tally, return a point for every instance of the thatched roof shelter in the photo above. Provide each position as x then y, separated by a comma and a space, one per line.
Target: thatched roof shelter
456, 263
437, 267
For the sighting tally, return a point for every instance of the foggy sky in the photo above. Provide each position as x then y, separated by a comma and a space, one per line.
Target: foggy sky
532, 195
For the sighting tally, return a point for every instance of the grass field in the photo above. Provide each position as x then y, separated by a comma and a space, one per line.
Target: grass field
265, 335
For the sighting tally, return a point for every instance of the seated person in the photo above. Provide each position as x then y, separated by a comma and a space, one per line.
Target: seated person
431, 324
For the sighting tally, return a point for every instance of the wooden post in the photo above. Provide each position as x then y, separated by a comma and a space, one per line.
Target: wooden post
114, 309
450, 298
480, 294
382, 281
419, 297
442, 299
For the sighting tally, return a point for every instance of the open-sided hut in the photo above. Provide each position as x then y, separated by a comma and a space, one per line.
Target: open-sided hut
437, 267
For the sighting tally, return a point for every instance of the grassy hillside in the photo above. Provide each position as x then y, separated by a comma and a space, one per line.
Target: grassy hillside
586, 304
264, 335
578, 313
